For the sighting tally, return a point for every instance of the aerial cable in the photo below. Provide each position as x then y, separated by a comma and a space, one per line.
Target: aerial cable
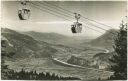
97, 22
98, 26
63, 17
69, 12
38, 7
93, 29
55, 11
70, 16
59, 7
57, 15
82, 16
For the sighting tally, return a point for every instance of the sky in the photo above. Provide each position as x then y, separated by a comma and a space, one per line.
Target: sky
51, 19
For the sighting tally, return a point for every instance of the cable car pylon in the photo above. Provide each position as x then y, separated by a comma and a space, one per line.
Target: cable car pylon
76, 27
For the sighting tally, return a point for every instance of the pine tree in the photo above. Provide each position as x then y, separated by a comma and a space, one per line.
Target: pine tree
119, 60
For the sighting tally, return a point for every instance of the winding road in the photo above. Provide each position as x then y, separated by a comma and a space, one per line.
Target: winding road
55, 60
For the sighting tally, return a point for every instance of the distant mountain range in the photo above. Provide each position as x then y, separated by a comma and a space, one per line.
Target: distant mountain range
55, 38
26, 46
41, 45
106, 40
36, 44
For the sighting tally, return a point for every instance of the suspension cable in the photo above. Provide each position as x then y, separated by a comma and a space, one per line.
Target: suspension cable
38, 7
82, 16
73, 17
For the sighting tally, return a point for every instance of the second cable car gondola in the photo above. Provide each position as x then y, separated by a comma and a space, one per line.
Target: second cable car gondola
76, 27
24, 12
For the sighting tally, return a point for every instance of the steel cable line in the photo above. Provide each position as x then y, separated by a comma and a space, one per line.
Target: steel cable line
82, 16
98, 26
64, 18
68, 17
54, 10
50, 12
73, 17
38, 7
59, 8
97, 22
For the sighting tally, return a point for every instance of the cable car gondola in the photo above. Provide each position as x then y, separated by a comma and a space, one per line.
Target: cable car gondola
24, 13
76, 27
73, 28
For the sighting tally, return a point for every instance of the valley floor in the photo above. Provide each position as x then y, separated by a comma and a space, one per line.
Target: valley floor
47, 65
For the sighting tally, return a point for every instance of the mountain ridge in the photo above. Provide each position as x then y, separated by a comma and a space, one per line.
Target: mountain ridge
55, 38
106, 40
25, 46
